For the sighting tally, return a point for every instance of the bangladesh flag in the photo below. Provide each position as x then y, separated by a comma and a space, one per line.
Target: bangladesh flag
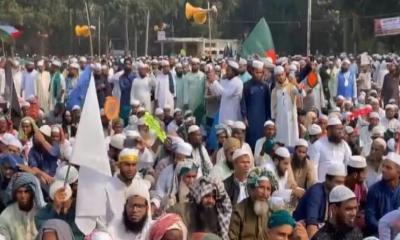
259, 42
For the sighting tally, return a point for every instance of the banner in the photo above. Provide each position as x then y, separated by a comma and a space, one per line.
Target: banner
387, 26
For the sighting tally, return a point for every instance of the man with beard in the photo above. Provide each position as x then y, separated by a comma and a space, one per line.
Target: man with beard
29, 81
389, 122
199, 154
343, 206
17, 220
224, 166
281, 226
165, 89
264, 146
390, 88
194, 89
72, 78
243, 73
330, 149
374, 160
208, 209
135, 220
236, 184
184, 176
57, 85
42, 86
303, 169
117, 187
179, 85
174, 125
250, 216
366, 131
122, 88
383, 196
142, 87
239, 132
222, 132
313, 206
103, 88
346, 82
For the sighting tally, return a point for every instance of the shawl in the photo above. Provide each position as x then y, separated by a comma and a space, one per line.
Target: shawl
62, 229
21, 134
165, 223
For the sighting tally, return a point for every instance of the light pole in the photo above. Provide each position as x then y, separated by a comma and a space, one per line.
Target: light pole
309, 27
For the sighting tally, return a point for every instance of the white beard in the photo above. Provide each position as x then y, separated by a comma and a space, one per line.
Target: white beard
261, 208
183, 192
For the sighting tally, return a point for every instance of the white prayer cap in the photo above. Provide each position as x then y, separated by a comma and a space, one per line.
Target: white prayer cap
156, 201
378, 131
293, 67
258, 64
374, 115
394, 157
7, 138
336, 169
141, 190
40, 63
277, 203
233, 64
164, 63
55, 129
158, 111
31, 98
176, 110
357, 162
15, 143
282, 152
74, 65
340, 193
282, 61
154, 61
73, 60
76, 107
301, 143
389, 106
141, 109
333, 121
349, 129
135, 102
100, 235
25, 104
96, 66
374, 100
56, 63
314, 129
195, 60
375, 238
239, 125
117, 141
132, 134
61, 174
57, 185
229, 123
141, 65
346, 60
279, 70
104, 67
167, 106
193, 128
239, 152
242, 61
82, 59
183, 148
178, 65
382, 142
340, 97
45, 130
129, 155
269, 123
140, 122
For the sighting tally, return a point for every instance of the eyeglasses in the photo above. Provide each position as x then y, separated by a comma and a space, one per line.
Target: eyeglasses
138, 206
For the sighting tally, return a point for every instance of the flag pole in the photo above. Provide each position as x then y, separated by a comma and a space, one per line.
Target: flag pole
90, 35
209, 26
309, 27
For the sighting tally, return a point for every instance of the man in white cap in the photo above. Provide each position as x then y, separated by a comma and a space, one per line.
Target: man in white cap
346, 82
390, 87
199, 154
42, 86
224, 162
103, 87
174, 125
389, 121
343, 206
256, 101
165, 87
235, 185
181, 151
243, 73
374, 160
194, 89
57, 85
330, 149
313, 206
264, 146
142, 87
72, 78
179, 85
284, 108
303, 169
383, 196
366, 131
230, 90
29, 80
239, 132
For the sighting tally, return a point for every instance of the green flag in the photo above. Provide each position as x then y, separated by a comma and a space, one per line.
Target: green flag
259, 42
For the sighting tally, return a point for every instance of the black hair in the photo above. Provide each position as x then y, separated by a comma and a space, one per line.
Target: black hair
329, 177
351, 170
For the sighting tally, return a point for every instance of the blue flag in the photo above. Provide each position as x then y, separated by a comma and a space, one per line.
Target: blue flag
78, 94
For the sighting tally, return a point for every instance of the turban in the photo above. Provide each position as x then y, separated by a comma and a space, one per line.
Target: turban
205, 236
165, 223
231, 144
259, 174
186, 166
206, 185
280, 218
129, 155
62, 229
22, 179
11, 159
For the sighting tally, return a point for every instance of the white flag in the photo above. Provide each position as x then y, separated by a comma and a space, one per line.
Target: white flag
90, 153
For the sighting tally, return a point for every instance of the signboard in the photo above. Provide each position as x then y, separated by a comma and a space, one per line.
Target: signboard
161, 35
387, 26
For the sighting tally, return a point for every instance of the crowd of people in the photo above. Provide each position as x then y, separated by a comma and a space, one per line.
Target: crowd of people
293, 148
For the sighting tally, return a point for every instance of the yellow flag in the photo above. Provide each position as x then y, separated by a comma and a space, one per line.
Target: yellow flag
154, 125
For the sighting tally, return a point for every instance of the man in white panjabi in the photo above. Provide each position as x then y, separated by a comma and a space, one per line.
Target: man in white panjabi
42, 86
283, 107
117, 188
17, 77
142, 86
330, 149
199, 154
164, 93
135, 221
230, 90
